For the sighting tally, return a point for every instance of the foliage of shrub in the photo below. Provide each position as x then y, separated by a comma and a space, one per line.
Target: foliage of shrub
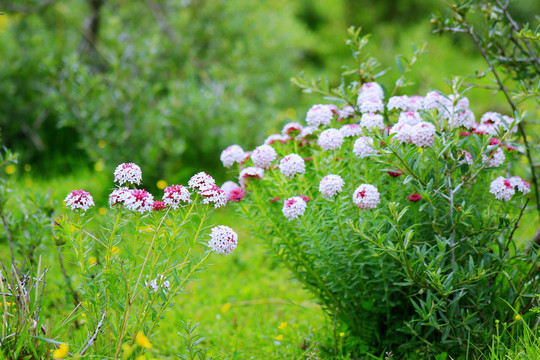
411, 246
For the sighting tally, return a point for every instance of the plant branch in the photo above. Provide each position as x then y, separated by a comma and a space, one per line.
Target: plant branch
94, 336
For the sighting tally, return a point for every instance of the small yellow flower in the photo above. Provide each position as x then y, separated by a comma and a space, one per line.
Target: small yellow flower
27, 167
517, 317
290, 113
161, 184
102, 143
283, 325
10, 169
127, 350
279, 337
28, 182
102, 211
61, 352
313, 329
83, 315
92, 260
225, 307
100, 165
420, 150
142, 340
142, 357
342, 334
115, 250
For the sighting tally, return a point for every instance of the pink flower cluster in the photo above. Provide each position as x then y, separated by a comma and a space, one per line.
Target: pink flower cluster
504, 189
331, 185
223, 240
79, 199
294, 207
366, 196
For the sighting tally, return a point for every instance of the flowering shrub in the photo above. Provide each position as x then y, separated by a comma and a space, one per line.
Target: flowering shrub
392, 211
131, 270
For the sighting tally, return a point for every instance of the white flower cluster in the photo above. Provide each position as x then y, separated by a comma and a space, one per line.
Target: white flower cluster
406, 103
370, 98
223, 240
363, 147
331, 185
494, 158
319, 115
232, 154
291, 165
496, 124
128, 173
366, 196
79, 199
330, 139
214, 195
370, 121
270, 140
502, 188
409, 117
350, 130
294, 207
250, 172
201, 181
118, 196
290, 128
263, 156
139, 200
174, 195
157, 283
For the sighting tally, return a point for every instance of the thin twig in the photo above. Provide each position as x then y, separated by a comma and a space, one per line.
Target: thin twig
94, 336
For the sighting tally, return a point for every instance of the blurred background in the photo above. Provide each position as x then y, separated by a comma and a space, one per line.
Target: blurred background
167, 84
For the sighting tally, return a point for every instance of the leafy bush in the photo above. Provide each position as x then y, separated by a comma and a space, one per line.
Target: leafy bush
399, 222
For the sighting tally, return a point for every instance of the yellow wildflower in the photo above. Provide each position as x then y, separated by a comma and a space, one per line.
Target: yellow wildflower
61, 352
225, 307
142, 357
102, 211
10, 169
279, 337
92, 260
83, 315
100, 165
142, 340
342, 334
27, 167
102, 143
283, 325
127, 350
115, 250
517, 317
161, 184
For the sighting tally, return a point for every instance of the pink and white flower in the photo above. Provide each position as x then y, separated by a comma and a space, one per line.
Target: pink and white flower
467, 158
398, 102
214, 195
79, 199
223, 240
522, 186
494, 158
174, 195
291, 128
363, 147
422, 134
370, 121
319, 115
236, 194
306, 131
201, 181
350, 130
250, 172
403, 132
139, 200
128, 173
346, 112
371, 106
434, 100
409, 118
366, 196
331, 185
294, 207
330, 139
370, 91
228, 186
232, 154
118, 196
291, 165
263, 156
270, 140
502, 189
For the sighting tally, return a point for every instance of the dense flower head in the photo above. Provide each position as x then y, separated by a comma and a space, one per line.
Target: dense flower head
223, 240
118, 196
128, 173
139, 200
502, 188
403, 132
214, 195
398, 102
522, 186
291, 128
232, 154
434, 100
263, 156
363, 146
414, 197
371, 106
330, 139
350, 130
370, 91
228, 186
416, 102
201, 181
159, 205
409, 117
294, 207
366, 196
174, 195
467, 158
270, 140
236, 194
422, 134
492, 123
370, 121
331, 185
250, 172
494, 158
346, 112
79, 199
319, 115
291, 165
306, 131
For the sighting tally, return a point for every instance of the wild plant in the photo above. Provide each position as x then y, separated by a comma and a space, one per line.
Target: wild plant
396, 213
